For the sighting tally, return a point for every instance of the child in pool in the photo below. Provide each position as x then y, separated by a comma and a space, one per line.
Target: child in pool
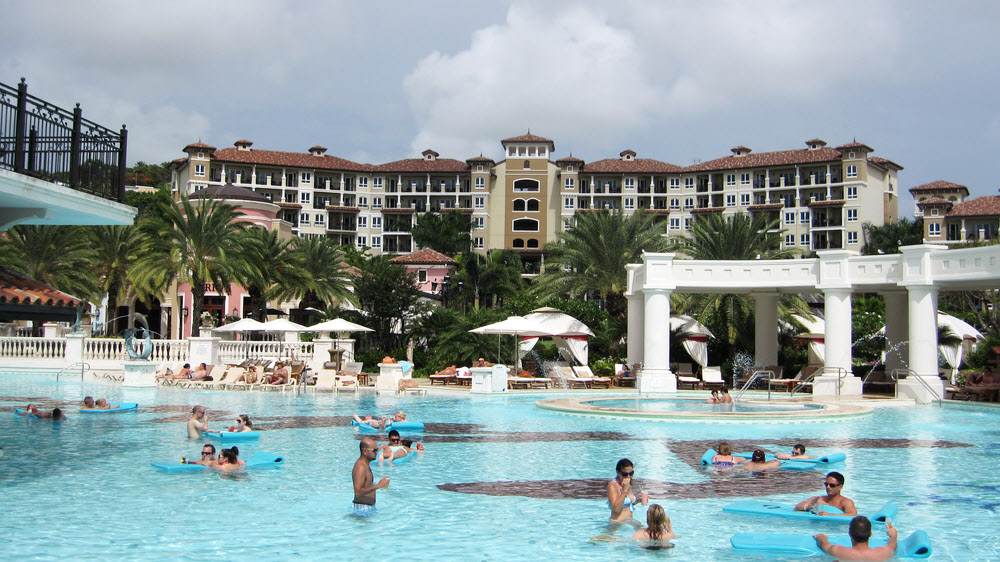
658, 531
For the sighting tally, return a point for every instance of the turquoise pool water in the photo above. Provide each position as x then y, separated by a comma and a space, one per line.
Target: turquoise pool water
688, 405
502, 479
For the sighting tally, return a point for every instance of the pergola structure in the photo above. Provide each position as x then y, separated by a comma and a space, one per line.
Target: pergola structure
909, 282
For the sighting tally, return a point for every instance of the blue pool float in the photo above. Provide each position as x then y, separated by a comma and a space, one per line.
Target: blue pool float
232, 436
258, 460
122, 407
409, 456
19, 411
398, 426
917, 545
828, 459
756, 507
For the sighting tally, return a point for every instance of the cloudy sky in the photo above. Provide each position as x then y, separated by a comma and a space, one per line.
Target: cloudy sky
380, 81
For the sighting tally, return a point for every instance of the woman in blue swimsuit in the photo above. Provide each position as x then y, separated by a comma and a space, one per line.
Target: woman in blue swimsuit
621, 497
725, 457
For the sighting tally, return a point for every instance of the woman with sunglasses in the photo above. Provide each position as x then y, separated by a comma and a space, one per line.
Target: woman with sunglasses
243, 424
621, 494
229, 460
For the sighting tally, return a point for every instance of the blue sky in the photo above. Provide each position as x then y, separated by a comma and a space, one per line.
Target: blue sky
381, 81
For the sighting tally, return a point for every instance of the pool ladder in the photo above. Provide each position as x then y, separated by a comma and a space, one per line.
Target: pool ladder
82, 365
757, 375
894, 375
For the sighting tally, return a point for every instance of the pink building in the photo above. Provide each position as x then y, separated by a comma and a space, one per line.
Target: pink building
430, 268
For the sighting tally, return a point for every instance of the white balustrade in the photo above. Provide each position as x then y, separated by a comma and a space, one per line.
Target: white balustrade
33, 348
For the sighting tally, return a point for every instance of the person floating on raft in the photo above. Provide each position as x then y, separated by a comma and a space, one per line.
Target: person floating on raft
834, 483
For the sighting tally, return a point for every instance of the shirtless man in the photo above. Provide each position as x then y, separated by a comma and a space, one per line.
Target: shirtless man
834, 485
798, 452
198, 422
860, 531
207, 456
715, 398
364, 490
88, 403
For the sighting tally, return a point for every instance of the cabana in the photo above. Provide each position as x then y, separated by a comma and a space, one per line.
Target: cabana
694, 337
568, 333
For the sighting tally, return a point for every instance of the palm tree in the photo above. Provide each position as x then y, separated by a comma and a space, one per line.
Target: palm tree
447, 233
489, 278
270, 269
592, 256
194, 243
59, 256
116, 250
887, 238
324, 275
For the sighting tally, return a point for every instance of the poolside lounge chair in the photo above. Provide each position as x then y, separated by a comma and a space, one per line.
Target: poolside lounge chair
410, 386
291, 383
347, 382
800, 378
443, 379
584, 375
464, 380
326, 379
711, 378
685, 375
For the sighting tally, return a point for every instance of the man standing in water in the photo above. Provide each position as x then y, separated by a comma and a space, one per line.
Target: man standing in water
364, 490
834, 483
198, 422
860, 531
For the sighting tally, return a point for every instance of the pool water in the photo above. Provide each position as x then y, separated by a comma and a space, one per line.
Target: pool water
688, 405
84, 488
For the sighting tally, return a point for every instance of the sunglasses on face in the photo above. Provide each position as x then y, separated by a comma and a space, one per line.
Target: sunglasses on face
627, 474
203, 453
831, 484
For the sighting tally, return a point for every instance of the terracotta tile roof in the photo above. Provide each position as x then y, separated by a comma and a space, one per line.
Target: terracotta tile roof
986, 206
228, 191
425, 256
480, 158
855, 144
285, 205
345, 209
816, 141
933, 201
570, 158
884, 162
419, 165
649, 211
766, 207
200, 145
939, 185
706, 210
288, 159
243, 141
529, 138
398, 210
740, 148
637, 166
829, 203
317, 147
17, 288
768, 159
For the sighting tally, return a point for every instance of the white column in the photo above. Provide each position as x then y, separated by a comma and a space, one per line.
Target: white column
636, 323
923, 348
896, 330
766, 329
837, 377
655, 375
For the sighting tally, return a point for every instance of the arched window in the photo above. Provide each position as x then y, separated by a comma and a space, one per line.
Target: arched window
518, 243
532, 204
532, 243
519, 205
526, 185
525, 225
527, 164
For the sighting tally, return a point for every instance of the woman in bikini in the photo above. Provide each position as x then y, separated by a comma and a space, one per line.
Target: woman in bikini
725, 458
621, 493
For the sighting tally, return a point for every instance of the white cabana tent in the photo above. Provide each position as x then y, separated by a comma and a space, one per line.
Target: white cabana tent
244, 325
954, 353
695, 338
515, 326
816, 335
567, 332
338, 325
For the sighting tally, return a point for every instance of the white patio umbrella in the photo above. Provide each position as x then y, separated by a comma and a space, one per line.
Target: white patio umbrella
244, 325
338, 325
515, 326
283, 325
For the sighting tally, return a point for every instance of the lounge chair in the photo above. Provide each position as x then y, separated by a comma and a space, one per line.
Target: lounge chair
348, 382
711, 378
685, 375
443, 379
407, 386
326, 379
214, 371
801, 378
354, 366
584, 375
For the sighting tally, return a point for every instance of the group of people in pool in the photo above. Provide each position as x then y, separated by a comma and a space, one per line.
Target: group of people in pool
227, 461
198, 423
57, 413
622, 500
100, 404
720, 397
372, 421
725, 459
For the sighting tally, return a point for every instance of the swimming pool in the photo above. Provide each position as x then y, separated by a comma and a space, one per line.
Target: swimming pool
687, 405
502, 479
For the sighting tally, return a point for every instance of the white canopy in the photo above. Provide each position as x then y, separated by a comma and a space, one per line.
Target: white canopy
567, 332
695, 339
244, 325
513, 325
338, 325
283, 325
816, 334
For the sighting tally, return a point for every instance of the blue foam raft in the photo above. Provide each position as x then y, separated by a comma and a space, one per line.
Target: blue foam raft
917, 545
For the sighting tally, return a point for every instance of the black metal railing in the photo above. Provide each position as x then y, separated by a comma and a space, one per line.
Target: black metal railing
42, 140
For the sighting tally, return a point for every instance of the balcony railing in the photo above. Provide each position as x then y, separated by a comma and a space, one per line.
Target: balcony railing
45, 141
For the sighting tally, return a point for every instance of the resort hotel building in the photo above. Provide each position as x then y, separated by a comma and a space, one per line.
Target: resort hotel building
821, 195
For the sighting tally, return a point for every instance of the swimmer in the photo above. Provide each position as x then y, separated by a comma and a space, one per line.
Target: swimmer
658, 531
725, 458
715, 398
207, 456
834, 483
860, 531
55, 414
243, 424
757, 462
102, 404
724, 397
198, 422
798, 452
397, 448
621, 496
370, 421
361, 474
229, 460
88, 403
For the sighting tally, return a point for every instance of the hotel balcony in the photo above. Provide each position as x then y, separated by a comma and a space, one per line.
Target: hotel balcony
56, 167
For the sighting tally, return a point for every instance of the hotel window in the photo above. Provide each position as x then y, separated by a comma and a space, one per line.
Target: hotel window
730, 179
307, 177
362, 222
852, 192
362, 202
629, 183
376, 202
377, 183
199, 170
377, 223
479, 242
934, 212
744, 199
306, 198
675, 204
744, 179
789, 240
804, 240
570, 183
527, 165
789, 218
480, 183
852, 215
852, 237
689, 203
304, 218
533, 205
675, 224
362, 182
852, 171
479, 202
788, 199
569, 168
567, 203
479, 223
629, 203
320, 219
688, 183
361, 241
376, 241
567, 225
687, 223
675, 183
525, 225
479, 168
731, 200
934, 229
804, 217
